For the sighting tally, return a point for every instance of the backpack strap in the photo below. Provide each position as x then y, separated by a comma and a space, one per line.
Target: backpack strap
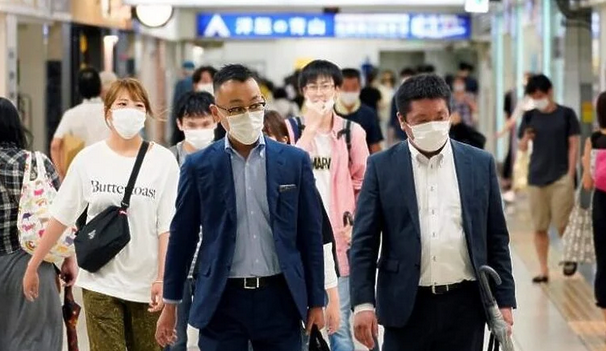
346, 132
297, 128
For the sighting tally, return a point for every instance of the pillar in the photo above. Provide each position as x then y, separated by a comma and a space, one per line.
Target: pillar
498, 58
546, 18
8, 56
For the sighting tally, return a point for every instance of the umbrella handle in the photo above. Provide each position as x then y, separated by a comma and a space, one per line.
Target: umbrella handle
486, 271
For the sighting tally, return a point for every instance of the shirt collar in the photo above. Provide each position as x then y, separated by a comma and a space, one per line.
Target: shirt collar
95, 100
419, 157
260, 146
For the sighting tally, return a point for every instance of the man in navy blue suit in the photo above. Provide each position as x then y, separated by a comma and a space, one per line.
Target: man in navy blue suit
260, 265
433, 207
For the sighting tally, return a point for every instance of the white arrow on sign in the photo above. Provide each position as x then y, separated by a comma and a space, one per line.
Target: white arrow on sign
217, 27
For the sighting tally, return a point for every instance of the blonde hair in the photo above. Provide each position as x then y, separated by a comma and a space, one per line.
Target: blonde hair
135, 90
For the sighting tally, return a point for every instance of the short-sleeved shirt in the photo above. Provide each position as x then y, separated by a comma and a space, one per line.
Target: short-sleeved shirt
549, 159
85, 121
367, 118
98, 178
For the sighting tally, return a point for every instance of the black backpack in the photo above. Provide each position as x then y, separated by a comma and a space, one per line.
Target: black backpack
297, 128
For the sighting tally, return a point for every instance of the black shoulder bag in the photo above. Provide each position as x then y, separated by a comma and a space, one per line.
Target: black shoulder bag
101, 239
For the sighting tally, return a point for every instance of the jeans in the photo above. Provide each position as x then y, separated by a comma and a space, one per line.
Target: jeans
183, 317
342, 340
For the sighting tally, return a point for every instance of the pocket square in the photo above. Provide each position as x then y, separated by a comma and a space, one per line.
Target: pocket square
286, 187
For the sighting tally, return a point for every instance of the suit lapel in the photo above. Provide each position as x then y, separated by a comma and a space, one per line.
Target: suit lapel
465, 178
225, 178
405, 177
274, 164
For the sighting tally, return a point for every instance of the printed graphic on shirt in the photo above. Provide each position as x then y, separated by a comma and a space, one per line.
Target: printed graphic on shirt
98, 187
322, 163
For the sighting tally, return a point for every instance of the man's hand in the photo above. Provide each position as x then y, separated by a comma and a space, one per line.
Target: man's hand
69, 271
315, 316
315, 114
156, 297
366, 328
166, 333
508, 317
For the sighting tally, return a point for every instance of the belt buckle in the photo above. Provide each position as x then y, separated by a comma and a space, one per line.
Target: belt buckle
436, 292
253, 286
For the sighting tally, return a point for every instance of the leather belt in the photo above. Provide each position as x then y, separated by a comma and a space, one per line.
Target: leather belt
443, 289
254, 283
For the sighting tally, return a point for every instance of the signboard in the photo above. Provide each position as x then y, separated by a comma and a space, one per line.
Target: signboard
376, 26
249, 26
298, 3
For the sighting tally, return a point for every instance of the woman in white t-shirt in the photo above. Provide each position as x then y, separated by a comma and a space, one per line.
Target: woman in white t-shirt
123, 298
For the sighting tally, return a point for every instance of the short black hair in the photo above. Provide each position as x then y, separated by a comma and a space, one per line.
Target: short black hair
12, 131
407, 72
420, 87
237, 72
89, 83
538, 82
320, 68
464, 66
350, 73
197, 76
194, 104
601, 110
280, 93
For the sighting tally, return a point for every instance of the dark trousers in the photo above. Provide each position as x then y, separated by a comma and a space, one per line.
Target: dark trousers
448, 322
267, 317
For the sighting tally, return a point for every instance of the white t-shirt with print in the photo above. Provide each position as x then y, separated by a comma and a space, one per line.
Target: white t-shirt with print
321, 161
85, 121
97, 178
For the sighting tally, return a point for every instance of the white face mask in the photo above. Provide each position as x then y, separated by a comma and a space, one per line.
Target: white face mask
207, 87
199, 138
349, 99
323, 108
246, 128
430, 136
541, 104
459, 88
128, 122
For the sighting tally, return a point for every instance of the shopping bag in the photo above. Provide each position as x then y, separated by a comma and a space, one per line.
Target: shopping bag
577, 240
37, 194
72, 145
520, 168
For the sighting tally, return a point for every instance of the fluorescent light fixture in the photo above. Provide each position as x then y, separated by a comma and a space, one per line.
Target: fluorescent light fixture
154, 16
477, 6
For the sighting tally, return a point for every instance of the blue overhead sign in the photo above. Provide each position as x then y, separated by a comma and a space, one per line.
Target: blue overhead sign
255, 26
378, 26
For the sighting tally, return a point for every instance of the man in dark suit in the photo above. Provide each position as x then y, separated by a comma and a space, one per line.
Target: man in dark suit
260, 265
435, 206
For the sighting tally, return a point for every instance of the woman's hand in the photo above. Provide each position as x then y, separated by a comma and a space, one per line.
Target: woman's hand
333, 316
69, 271
31, 283
157, 303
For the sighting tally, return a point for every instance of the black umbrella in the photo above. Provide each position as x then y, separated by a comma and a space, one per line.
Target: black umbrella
499, 329
316, 341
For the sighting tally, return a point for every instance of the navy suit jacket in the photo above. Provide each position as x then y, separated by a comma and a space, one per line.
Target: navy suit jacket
388, 205
207, 198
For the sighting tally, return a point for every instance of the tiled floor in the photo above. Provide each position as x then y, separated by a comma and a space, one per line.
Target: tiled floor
560, 316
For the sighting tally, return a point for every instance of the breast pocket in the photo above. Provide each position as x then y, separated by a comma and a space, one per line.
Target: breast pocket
287, 206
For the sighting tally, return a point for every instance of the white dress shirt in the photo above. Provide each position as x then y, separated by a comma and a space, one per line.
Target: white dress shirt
444, 254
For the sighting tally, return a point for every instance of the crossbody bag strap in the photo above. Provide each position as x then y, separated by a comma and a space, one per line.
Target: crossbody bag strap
133, 176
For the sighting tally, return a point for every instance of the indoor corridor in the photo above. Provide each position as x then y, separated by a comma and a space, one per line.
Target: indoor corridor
559, 316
